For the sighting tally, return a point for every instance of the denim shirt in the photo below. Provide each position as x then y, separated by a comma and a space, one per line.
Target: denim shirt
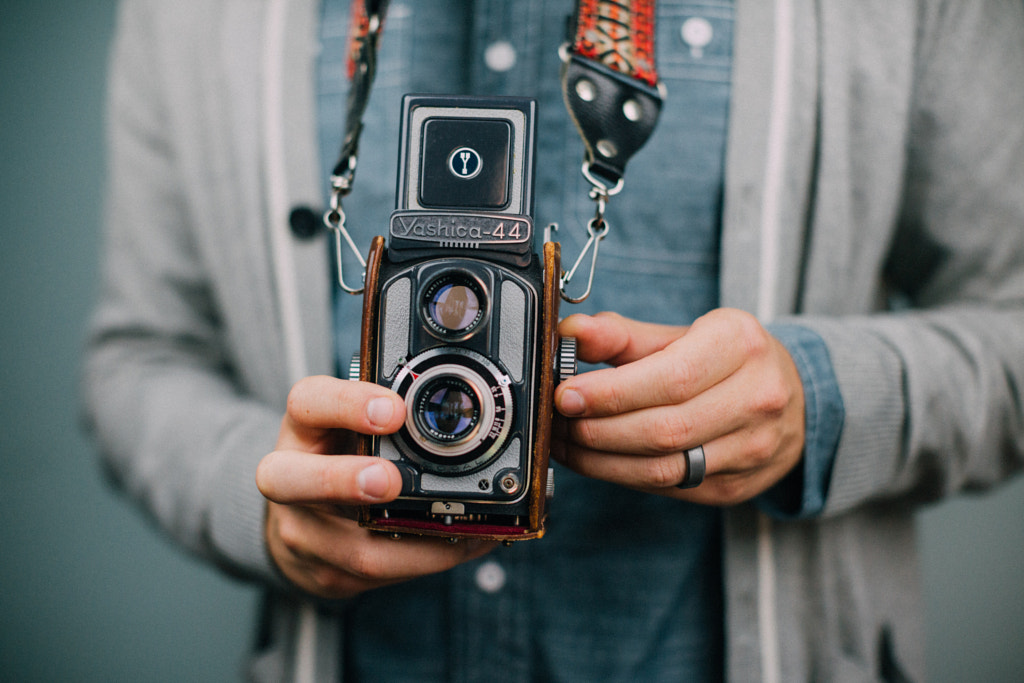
625, 585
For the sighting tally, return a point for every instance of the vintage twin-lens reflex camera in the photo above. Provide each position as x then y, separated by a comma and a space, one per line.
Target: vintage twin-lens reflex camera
459, 318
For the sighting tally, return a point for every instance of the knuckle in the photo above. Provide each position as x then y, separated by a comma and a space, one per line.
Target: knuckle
761, 447
322, 480
665, 471
772, 399
680, 374
363, 563
667, 433
750, 332
290, 533
730, 489
264, 474
326, 580
609, 315
293, 406
585, 433
613, 398
296, 396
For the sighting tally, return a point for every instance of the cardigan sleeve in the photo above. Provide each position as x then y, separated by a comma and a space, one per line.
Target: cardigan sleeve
932, 387
178, 432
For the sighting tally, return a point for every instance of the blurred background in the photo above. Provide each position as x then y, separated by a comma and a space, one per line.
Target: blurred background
89, 591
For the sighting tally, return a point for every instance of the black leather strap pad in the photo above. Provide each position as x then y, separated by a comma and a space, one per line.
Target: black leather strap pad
614, 113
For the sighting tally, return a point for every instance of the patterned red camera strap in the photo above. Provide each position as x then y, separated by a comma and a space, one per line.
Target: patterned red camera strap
619, 35
360, 30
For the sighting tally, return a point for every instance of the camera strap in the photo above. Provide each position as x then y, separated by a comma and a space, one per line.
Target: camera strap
611, 89
609, 84
367, 27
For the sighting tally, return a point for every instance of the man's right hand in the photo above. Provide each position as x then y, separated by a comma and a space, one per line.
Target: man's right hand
313, 489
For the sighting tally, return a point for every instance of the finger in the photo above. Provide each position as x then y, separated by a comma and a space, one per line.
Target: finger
383, 559
611, 338
297, 477
317, 404
758, 399
626, 469
713, 348
332, 556
662, 474
738, 466
663, 430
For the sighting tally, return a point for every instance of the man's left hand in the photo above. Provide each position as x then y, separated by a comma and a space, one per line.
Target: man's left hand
723, 383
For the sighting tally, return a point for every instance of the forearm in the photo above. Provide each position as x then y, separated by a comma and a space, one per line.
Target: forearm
931, 402
181, 441
930, 391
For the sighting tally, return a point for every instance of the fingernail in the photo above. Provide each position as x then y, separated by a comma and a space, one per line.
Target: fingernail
373, 481
379, 411
571, 403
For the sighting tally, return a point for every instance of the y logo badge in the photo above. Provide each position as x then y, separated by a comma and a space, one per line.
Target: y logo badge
465, 163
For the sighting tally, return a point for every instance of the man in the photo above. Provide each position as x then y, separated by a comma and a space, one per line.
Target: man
822, 240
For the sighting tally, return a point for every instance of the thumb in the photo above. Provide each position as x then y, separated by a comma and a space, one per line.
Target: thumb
611, 338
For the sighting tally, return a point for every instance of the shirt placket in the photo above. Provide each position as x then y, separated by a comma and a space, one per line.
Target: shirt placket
489, 611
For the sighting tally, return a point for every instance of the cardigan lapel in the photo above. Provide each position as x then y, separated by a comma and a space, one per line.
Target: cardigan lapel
769, 159
301, 170
269, 57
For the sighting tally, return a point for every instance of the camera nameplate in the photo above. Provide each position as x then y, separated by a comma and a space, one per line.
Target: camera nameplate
512, 233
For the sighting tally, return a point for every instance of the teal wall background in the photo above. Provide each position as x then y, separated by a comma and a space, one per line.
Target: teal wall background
89, 591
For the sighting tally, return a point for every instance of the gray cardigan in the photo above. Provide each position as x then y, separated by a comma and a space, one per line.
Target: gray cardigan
875, 148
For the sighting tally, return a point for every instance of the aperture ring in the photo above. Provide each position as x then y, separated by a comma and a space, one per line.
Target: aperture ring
492, 390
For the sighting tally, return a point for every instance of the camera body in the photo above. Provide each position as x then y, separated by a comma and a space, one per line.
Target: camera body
459, 318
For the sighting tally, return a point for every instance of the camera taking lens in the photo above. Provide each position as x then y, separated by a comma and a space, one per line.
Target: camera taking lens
447, 410
460, 410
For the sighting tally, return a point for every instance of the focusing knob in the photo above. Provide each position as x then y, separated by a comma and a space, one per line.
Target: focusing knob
566, 359
354, 366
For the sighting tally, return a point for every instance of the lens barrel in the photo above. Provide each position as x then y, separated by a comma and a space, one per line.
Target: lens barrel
453, 304
447, 409
459, 410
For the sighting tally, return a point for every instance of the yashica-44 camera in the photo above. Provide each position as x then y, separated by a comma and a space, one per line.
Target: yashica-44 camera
459, 318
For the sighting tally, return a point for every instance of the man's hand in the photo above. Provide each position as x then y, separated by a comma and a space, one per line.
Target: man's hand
312, 488
724, 383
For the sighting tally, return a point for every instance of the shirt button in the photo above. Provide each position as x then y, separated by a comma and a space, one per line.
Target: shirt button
697, 33
490, 577
500, 56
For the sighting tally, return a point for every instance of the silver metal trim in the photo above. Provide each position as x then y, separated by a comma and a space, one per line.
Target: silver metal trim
517, 153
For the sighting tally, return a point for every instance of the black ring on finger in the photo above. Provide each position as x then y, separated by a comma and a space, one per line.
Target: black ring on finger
695, 467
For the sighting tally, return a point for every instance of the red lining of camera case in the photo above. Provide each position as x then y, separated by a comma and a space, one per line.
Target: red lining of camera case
454, 529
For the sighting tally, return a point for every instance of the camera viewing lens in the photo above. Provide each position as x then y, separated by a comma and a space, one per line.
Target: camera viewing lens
447, 409
454, 304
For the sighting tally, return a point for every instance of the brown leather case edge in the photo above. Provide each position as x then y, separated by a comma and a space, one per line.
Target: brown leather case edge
368, 341
545, 402
546, 387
